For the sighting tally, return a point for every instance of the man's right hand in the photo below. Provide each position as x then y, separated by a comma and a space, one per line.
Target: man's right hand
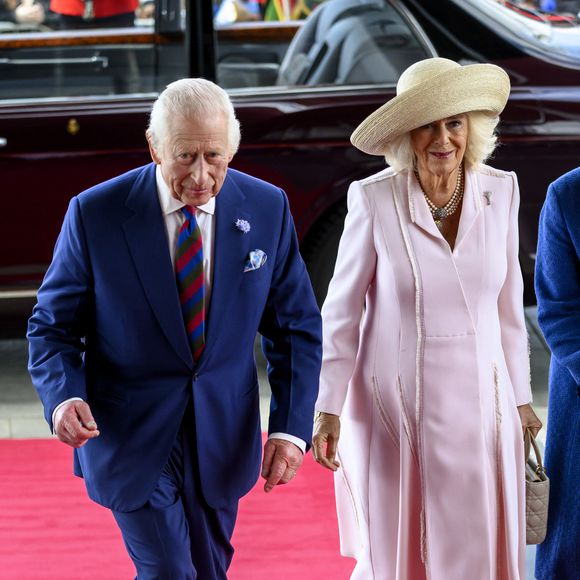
74, 424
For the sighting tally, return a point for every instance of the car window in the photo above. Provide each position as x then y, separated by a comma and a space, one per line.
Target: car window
551, 33
66, 48
313, 43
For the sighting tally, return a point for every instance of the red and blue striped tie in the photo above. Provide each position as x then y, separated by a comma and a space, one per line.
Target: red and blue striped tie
190, 280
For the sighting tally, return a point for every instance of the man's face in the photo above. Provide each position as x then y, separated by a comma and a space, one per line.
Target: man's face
194, 157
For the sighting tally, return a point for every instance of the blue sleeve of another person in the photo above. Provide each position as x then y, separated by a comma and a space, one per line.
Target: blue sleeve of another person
558, 272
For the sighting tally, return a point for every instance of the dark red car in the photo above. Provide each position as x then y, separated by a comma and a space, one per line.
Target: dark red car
74, 105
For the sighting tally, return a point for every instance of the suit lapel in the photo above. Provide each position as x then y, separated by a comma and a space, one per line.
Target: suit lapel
230, 252
147, 241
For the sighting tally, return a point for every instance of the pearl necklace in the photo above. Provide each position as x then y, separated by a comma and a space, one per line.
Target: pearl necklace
441, 213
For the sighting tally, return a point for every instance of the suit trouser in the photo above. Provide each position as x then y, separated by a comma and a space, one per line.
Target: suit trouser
176, 535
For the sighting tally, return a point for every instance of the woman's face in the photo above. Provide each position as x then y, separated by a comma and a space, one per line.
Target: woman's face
439, 147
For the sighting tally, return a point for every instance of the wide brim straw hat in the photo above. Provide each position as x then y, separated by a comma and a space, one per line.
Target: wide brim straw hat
429, 90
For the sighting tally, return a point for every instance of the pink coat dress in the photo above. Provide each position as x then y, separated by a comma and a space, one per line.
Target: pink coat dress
426, 360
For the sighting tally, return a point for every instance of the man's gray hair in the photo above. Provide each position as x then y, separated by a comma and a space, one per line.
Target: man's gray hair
194, 99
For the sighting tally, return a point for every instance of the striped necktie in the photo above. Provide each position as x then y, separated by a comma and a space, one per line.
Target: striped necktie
190, 280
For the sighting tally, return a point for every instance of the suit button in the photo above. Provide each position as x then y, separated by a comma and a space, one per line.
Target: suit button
195, 375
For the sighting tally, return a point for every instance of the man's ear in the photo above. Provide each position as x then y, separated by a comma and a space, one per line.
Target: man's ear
152, 151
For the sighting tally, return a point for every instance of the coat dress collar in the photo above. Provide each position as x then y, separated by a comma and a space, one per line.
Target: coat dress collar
421, 216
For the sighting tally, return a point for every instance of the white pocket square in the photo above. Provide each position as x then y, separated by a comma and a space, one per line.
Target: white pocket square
256, 259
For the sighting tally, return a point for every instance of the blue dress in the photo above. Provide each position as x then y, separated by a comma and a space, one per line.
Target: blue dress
558, 292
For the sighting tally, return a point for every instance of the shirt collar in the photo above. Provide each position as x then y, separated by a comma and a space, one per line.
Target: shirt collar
169, 204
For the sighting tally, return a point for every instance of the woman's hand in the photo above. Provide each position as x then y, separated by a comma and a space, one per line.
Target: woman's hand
326, 433
529, 419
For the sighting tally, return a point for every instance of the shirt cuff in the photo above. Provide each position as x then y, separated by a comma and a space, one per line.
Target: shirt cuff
59, 406
296, 440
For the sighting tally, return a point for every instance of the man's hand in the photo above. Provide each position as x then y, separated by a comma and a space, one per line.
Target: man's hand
326, 433
74, 424
281, 462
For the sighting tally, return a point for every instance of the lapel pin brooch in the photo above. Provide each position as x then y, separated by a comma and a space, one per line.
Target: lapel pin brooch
487, 195
243, 226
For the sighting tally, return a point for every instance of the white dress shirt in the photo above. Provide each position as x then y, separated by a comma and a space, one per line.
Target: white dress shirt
174, 218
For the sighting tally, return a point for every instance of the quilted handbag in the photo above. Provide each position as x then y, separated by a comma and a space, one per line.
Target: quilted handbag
537, 492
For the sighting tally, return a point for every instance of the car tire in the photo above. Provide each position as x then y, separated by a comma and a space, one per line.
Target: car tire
321, 248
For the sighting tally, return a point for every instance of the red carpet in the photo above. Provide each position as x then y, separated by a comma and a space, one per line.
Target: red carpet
50, 530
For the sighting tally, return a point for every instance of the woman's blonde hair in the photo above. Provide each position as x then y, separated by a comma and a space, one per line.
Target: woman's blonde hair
481, 143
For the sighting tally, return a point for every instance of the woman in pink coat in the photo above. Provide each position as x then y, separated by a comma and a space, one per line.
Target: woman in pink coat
425, 345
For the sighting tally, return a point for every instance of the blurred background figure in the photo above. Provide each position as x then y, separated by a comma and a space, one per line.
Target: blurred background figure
557, 6
229, 11
79, 14
548, 5
146, 9
29, 11
288, 9
23, 11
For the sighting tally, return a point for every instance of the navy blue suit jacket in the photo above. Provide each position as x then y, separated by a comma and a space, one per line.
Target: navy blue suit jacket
108, 328
558, 292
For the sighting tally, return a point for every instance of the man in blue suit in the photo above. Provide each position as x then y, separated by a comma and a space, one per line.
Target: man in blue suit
165, 436
558, 292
